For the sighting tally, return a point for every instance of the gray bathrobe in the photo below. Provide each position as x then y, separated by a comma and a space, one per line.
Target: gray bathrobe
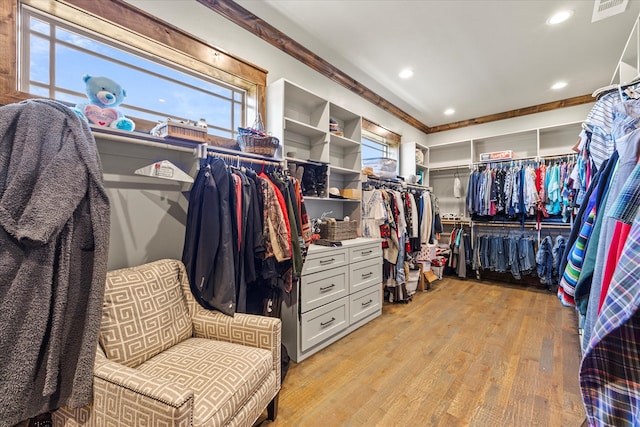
54, 232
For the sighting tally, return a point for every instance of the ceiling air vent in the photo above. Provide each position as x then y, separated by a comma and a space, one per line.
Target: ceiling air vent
605, 8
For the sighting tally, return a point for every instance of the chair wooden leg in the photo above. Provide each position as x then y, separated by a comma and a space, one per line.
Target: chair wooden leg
272, 409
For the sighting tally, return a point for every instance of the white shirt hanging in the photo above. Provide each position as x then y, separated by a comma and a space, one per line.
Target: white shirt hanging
457, 188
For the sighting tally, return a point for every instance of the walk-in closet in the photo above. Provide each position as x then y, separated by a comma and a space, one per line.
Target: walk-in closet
279, 213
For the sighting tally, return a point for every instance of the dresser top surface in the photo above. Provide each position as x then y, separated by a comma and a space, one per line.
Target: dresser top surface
346, 244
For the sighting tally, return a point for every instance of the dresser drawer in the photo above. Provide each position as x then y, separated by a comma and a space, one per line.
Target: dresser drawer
324, 260
322, 323
364, 274
364, 303
320, 288
369, 251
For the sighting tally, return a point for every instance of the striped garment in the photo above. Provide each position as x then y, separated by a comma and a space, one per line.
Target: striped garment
610, 368
567, 287
599, 122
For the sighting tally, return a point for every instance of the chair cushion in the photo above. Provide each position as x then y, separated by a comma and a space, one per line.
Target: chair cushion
144, 312
223, 376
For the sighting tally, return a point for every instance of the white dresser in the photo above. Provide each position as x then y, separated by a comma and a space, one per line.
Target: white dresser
339, 291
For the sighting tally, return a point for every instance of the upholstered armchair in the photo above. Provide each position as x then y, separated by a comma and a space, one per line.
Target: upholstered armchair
163, 360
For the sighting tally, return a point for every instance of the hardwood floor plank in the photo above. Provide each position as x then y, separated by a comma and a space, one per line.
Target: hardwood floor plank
465, 353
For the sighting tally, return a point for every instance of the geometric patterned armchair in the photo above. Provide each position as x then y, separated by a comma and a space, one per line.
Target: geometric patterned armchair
162, 359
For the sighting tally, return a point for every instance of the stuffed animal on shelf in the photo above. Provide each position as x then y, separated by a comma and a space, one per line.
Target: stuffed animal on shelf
105, 95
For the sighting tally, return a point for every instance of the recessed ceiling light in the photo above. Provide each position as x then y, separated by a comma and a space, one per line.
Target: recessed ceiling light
559, 17
449, 111
559, 85
406, 73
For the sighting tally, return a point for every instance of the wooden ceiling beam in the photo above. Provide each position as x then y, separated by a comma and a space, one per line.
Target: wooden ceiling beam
554, 105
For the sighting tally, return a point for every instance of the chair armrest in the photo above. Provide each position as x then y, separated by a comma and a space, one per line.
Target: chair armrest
246, 329
125, 395
136, 382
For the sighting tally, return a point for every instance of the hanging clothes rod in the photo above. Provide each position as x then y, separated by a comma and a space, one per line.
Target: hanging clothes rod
418, 187
380, 179
519, 225
501, 224
519, 159
242, 159
565, 225
388, 181
560, 156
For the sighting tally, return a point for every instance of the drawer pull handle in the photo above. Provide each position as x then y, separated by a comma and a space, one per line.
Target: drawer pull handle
326, 288
367, 252
328, 322
326, 261
364, 304
367, 274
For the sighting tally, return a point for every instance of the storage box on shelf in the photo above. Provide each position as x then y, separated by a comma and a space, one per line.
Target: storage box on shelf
188, 131
522, 144
338, 230
264, 145
340, 290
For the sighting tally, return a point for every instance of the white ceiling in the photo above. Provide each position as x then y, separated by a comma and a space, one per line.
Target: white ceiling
478, 57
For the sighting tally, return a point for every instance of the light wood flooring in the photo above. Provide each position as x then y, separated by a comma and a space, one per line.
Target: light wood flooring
465, 353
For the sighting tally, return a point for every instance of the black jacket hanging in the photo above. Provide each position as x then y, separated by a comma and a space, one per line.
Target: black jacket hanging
208, 247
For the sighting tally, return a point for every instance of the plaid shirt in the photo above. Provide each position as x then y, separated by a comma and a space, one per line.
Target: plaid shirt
610, 369
627, 204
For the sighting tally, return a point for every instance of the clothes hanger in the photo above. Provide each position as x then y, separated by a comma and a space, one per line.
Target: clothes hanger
606, 89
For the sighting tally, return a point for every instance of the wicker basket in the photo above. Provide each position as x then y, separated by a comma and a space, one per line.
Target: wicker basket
339, 230
174, 129
256, 144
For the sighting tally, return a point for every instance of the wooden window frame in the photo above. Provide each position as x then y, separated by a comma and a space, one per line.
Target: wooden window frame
127, 24
392, 138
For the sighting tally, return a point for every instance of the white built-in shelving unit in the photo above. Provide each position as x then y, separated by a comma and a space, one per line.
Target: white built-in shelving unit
445, 161
409, 165
341, 287
300, 119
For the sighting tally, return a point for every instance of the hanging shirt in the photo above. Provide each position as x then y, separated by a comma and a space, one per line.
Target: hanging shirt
610, 365
427, 217
401, 221
598, 123
457, 188
374, 213
276, 231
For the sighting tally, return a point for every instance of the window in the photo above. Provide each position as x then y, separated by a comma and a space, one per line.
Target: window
376, 146
133, 40
52, 51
